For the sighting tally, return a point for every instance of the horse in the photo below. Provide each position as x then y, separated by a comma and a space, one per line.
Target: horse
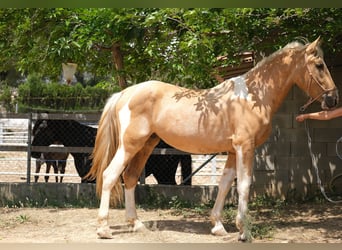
56, 160
234, 116
74, 134
69, 133
164, 167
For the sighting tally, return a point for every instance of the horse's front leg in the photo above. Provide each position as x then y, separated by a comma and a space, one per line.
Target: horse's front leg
244, 162
228, 176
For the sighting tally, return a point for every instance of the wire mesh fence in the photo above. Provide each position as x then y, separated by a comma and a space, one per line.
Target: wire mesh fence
31, 143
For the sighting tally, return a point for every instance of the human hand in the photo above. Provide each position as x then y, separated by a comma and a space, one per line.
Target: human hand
300, 118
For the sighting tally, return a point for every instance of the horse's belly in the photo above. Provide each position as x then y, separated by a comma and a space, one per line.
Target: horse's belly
197, 143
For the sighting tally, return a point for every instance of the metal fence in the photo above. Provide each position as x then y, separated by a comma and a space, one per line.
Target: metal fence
16, 163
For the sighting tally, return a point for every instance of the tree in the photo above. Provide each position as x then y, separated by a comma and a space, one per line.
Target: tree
176, 45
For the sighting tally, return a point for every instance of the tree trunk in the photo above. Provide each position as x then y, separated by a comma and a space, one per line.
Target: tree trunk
119, 64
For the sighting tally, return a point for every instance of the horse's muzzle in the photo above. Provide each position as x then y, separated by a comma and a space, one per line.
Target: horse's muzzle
330, 100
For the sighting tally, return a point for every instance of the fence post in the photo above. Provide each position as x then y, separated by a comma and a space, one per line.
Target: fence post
28, 174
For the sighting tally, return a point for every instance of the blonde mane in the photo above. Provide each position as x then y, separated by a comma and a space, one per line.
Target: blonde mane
290, 46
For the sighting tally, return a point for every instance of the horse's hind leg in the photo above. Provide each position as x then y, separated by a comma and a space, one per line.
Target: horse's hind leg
131, 176
228, 176
38, 166
111, 175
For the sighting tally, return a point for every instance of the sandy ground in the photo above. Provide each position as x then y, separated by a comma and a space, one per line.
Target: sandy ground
308, 223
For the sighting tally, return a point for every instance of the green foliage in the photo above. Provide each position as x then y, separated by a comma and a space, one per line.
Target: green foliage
36, 94
6, 97
171, 44
23, 218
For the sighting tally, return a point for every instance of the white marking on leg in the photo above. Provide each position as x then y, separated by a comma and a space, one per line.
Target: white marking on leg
110, 177
224, 186
244, 182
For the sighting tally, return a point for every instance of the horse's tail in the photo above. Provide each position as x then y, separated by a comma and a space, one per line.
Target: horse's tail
106, 144
186, 168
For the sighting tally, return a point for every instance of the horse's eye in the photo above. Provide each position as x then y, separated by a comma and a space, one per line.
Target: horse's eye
320, 66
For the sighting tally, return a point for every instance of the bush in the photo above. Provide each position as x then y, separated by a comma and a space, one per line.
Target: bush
38, 95
6, 97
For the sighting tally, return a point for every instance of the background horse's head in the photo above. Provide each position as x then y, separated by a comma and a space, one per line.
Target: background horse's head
318, 83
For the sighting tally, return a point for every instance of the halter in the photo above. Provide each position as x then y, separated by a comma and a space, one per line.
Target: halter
311, 100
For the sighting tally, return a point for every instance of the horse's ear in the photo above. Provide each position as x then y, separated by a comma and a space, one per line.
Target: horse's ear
312, 47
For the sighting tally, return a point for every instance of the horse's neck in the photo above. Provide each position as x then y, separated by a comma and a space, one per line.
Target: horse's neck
271, 82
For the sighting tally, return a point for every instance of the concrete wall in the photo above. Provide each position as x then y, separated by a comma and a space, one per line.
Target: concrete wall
83, 195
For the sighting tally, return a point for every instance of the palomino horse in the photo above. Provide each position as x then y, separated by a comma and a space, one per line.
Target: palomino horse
234, 116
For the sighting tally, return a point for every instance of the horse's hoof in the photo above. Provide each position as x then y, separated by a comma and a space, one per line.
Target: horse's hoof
139, 226
104, 233
219, 230
245, 238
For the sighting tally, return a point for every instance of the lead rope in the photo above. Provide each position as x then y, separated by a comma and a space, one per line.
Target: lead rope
314, 160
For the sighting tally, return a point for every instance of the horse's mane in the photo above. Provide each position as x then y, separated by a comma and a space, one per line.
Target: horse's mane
292, 45
295, 45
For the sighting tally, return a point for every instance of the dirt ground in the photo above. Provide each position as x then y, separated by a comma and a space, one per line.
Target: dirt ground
308, 223
305, 223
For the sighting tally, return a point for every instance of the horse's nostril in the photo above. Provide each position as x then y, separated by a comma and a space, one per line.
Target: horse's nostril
330, 101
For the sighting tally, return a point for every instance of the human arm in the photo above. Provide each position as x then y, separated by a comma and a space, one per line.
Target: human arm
321, 115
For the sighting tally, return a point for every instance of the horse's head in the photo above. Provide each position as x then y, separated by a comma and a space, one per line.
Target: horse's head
318, 82
44, 134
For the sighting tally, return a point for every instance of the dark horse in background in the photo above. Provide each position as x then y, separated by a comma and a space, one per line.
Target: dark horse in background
71, 133
55, 160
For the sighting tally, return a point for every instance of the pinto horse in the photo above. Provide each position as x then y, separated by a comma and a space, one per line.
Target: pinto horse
74, 134
234, 116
